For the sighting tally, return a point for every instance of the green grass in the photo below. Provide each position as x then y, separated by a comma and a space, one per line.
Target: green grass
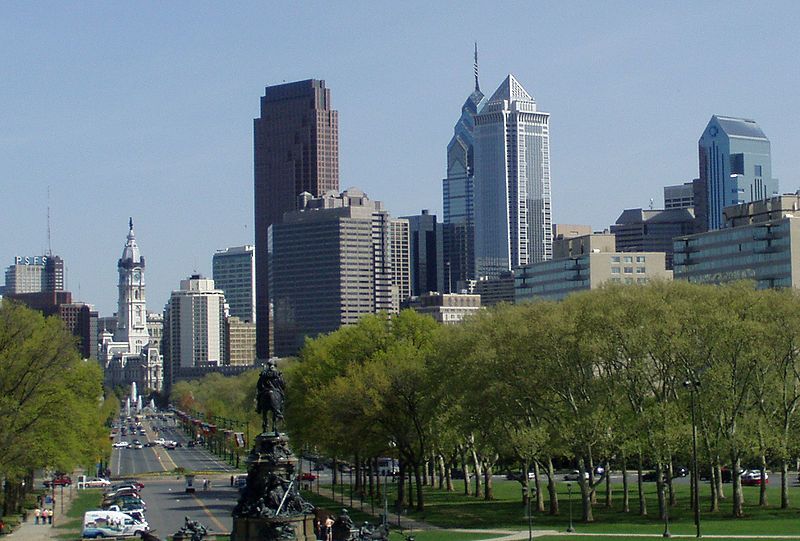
84, 500
454, 510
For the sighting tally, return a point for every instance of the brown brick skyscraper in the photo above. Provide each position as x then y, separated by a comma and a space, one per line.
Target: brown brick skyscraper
296, 149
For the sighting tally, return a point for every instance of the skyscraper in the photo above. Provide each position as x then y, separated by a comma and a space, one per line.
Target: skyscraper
330, 264
735, 168
296, 149
457, 194
425, 240
234, 272
196, 315
512, 182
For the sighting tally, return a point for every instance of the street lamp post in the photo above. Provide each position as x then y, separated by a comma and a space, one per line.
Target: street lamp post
666, 508
527, 494
693, 385
570, 528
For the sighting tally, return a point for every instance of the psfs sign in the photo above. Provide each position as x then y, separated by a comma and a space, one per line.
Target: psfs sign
30, 260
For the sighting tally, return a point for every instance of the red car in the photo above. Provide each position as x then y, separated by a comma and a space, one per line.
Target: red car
58, 481
308, 476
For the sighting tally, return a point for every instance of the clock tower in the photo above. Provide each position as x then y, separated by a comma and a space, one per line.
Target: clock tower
132, 309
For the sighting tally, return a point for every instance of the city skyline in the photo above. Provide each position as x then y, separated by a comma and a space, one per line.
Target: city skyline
147, 111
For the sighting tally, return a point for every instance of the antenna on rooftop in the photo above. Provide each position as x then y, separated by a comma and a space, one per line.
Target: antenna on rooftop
49, 246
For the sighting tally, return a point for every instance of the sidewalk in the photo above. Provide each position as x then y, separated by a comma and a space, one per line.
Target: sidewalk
30, 531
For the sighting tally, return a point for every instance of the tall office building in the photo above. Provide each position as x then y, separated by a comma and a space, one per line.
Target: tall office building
458, 218
400, 260
196, 320
234, 272
652, 230
330, 264
81, 320
512, 182
34, 274
735, 168
427, 265
679, 196
296, 150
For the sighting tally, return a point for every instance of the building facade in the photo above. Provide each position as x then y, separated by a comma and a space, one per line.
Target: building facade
640, 230
446, 308
458, 217
427, 256
512, 182
196, 317
296, 149
240, 342
34, 274
761, 242
234, 272
330, 264
81, 320
495, 290
735, 167
679, 196
127, 355
583, 263
400, 260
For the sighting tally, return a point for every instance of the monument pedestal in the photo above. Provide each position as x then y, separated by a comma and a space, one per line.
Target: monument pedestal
273, 528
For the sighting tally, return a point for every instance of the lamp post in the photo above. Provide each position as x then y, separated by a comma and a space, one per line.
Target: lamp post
666, 508
570, 528
527, 493
693, 385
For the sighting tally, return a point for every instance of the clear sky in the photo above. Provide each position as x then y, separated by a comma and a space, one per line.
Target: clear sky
146, 109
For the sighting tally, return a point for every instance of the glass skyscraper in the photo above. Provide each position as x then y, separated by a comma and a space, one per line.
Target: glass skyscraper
457, 195
513, 224
735, 168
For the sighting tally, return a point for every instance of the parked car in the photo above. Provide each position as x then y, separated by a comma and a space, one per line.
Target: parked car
517, 476
58, 481
121, 444
575, 475
308, 476
93, 482
752, 478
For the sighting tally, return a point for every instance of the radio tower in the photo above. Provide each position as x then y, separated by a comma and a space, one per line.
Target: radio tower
49, 247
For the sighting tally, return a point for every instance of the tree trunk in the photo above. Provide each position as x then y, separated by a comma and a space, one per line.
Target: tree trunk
586, 493
537, 481
714, 507
425, 473
414, 472
592, 486
526, 485
551, 487
762, 493
488, 485
420, 485
784, 484
359, 486
720, 488
464, 468
440, 469
673, 500
640, 486
476, 464
608, 485
738, 497
371, 473
626, 504
335, 472
448, 476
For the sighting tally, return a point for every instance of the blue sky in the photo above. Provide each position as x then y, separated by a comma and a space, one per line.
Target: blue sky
145, 109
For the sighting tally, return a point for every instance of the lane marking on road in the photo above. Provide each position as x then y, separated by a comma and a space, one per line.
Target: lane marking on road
210, 515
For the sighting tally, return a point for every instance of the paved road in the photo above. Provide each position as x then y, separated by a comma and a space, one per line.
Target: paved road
129, 462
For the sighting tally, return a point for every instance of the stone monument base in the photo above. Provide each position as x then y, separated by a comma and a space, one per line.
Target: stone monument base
272, 528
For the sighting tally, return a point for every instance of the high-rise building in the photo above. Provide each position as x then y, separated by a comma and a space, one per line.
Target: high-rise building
296, 150
34, 274
458, 217
330, 264
400, 260
81, 320
735, 168
679, 196
196, 321
427, 262
234, 272
652, 230
127, 355
512, 182
240, 342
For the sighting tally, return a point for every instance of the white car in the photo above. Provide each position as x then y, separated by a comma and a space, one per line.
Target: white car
121, 444
97, 482
159, 441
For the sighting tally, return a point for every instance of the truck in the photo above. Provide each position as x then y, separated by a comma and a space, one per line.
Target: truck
109, 523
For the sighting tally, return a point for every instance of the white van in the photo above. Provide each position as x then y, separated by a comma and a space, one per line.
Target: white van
111, 524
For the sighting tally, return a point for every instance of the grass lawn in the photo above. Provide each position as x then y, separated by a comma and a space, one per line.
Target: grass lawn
84, 500
454, 510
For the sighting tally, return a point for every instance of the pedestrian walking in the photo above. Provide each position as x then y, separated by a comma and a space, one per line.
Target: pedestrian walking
50, 516
36, 514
